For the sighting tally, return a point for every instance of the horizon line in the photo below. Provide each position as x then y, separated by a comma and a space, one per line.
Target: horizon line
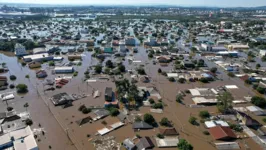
137, 5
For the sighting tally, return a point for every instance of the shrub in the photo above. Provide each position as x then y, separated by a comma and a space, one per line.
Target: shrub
29, 122
9, 108
148, 118
113, 111
258, 101
151, 101
204, 114
164, 73
181, 80
192, 120
22, 88
81, 107
27, 76
157, 106
184, 145
264, 119
12, 77
236, 127
141, 71
204, 80
75, 73
159, 70
231, 74
261, 90
160, 136
213, 69
51, 63
138, 119
171, 79
86, 110
165, 122
11, 86
206, 132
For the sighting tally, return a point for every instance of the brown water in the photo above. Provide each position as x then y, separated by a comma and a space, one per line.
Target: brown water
62, 133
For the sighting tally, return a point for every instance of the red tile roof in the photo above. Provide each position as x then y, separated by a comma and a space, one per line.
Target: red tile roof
222, 133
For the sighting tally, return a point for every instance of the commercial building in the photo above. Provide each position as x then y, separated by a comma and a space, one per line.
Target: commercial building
64, 69
130, 41
20, 50
39, 50
21, 139
38, 57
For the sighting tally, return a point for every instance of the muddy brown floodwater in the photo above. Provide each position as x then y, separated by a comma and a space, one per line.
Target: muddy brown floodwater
62, 132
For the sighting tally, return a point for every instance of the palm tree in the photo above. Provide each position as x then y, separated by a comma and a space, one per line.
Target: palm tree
26, 105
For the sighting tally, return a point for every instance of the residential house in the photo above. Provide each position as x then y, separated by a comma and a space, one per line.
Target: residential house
41, 74
130, 41
20, 50
144, 143
108, 94
188, 64
168, 131
247, 120
141, 125
129, 144
222, 133
3, 80
34, 65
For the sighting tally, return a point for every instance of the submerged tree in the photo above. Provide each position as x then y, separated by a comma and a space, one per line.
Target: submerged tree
224, 104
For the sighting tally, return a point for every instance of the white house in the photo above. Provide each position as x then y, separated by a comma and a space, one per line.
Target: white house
262, 52
20, 50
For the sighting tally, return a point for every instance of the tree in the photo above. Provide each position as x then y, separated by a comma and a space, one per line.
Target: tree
151, 100
9, 108
141, 71
160, 136
22, 88
26, 105
122, 68
179, 98
159, 70
258, 101
51, 63
213, 69
204, 114
184, 145
98, 69
138, 119
181, 80
258, 66
224, 104
113, 111
192, 120
148, 118
165, 122
171, 79
231, 74
201, 63
12, 77
157, 106
204, 80
109, 64
261, 90
29, 122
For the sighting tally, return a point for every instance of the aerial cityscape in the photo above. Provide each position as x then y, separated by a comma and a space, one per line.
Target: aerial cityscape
132, 75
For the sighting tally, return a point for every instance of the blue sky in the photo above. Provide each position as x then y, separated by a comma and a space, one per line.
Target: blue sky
219, 3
